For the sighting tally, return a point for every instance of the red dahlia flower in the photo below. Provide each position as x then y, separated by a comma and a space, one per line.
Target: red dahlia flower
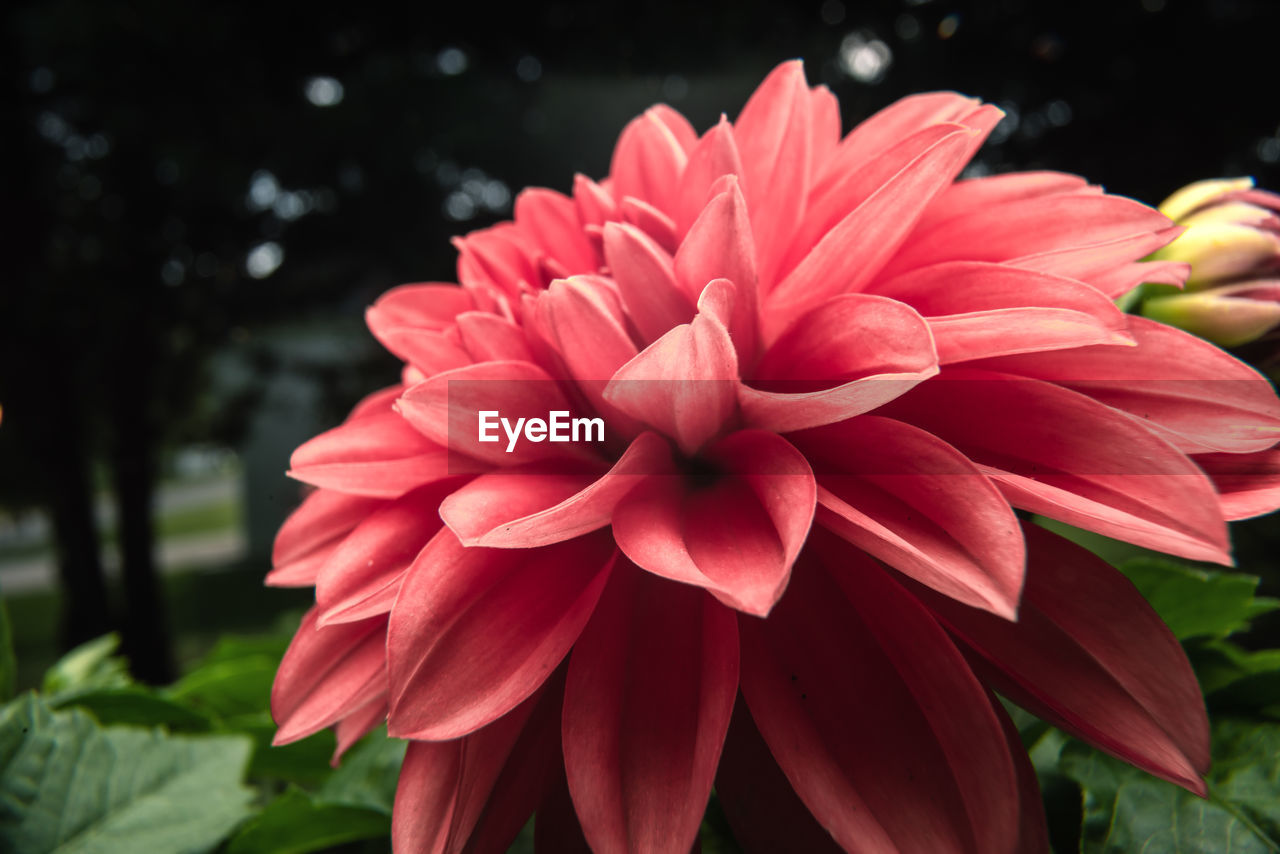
829, 373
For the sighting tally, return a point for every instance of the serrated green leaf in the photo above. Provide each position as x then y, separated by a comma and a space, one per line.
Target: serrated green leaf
1128, 810
368, 774
8, 662
72, 786
1197, 603
136, 705
92, 666
296, 823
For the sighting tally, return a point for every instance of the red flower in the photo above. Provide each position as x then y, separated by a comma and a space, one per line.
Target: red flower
829, 371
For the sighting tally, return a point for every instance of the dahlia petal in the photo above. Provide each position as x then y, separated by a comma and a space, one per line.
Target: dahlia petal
875, 134
715, 155
866, 350
773, 133
824, 115
367, 566
647, 702
430, 306
1033, 831
427, 350
538, 505
1185, 389
504, 254
446, 786
686, 137
1010, 331
595, 204
446, 408
648, 160
975, 193
1248, 484
586, 328
757, 799
376, 403
553, 220
326, 674
490, 338
918, 504
653, 222
1110, 265
646, 279
1056, 452
320, 522
872, 772
556, 829
380, 456
301, 572
871, 232
1025, 227
1103, 666
683, 384
737, 537
719, 245
490, 624
357, 725
854, 186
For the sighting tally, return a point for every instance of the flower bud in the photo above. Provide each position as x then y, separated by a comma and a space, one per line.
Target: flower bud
1232, 242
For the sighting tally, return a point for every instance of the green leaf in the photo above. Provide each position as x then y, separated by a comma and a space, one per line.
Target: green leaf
8, 662
1128, 810
304, 762
70, 786
295, 823
91, 666
368, 774
1197, 603
226, 687
139, 706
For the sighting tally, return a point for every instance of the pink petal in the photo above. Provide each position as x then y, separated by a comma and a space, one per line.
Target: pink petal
1024, 227
1059, 453
1248, 484
719, 245
504, 254
824, 134
715, 155
976, 193
381, 456
871, 233
326, 674
758, 800
541, 504
1102, 666
475, 631
650, 689
431, 306
737, 536
1009, 331
773, 137
355, 726
362, 575
376, 403
1185, 389
647, 161
653, 222
553, 221
447, 409
1033, 831
475, 793
490, 338
595, 204
1106, 264
683, 384
848, 356
912, 500
879, 132
646, 279
318, 525
863, 751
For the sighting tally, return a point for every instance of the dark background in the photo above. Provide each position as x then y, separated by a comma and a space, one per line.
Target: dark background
157, 154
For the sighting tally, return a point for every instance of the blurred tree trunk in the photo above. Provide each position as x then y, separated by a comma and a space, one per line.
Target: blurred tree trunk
69, 491
133, 475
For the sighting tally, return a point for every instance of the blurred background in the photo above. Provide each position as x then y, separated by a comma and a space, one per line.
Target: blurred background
201, 199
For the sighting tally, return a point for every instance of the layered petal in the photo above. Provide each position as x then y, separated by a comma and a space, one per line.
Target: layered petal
648, 160
650, 689
380, 456
919, 505
1103, 666
492, 624
734, 529
928, 730
1248, 484
311, 533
